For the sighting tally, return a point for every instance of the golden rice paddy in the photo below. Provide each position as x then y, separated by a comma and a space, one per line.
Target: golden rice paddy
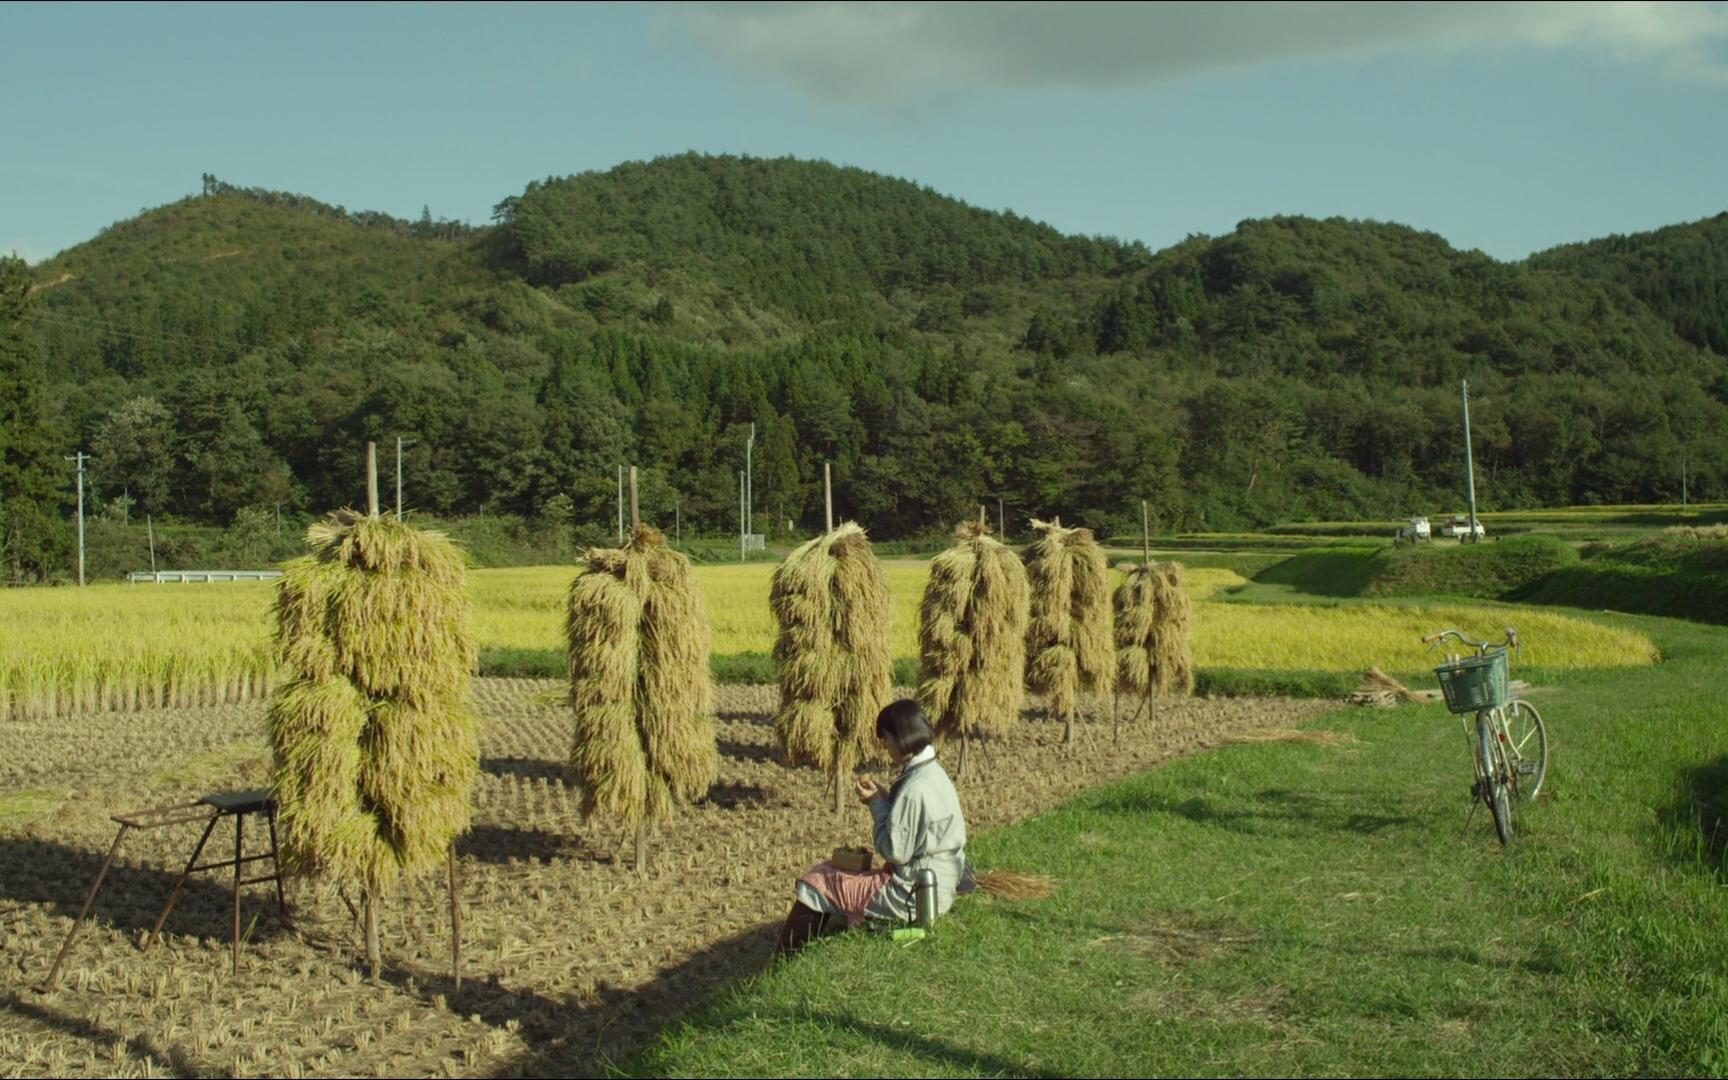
125, 647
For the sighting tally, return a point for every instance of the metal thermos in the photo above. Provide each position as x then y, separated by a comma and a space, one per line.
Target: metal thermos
924, 898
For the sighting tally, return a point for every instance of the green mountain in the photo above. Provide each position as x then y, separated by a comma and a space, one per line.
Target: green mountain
1680, 272
236, 348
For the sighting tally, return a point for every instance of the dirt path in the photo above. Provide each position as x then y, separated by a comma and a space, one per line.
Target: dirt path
570, 961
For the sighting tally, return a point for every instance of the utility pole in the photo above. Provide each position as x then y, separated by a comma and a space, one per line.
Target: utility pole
635, 511
828, 495
371, 479
750, 482
620, 504
1001, 531
741, 524
80, 457
1469, 458
150, 530
399, 445
678, 521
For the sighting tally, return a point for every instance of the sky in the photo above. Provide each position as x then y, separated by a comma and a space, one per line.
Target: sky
1506, 127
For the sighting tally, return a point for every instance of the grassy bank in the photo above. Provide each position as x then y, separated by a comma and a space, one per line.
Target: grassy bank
1291, 908
1683, 576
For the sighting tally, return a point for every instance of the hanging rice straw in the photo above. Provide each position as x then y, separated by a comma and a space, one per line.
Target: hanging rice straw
1069, 639
640, 686
1173, 655
375, 749
830, 598
972, 638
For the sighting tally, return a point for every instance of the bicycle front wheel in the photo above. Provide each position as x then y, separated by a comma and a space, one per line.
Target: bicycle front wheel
1491, 766
1526, 747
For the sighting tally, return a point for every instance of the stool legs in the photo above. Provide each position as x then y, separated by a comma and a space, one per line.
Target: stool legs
173, 897
239, 852
89, 898
276, 864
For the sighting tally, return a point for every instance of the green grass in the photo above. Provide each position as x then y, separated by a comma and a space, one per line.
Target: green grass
1258, 682
1679, 576
1285, 909
1480, 571
1572, 523
1245, 563
1483, 571
17, 807
1328, 571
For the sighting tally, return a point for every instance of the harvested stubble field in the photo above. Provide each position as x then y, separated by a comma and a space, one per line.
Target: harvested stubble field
570, 960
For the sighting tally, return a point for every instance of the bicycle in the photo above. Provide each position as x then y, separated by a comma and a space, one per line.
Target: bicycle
1510, 741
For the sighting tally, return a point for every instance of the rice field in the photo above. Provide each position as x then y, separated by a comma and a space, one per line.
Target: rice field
125, 647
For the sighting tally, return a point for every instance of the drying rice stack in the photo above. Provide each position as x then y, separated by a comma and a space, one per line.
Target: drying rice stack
972, 636
1069, 639
1173, 655
1136, 603
640, 686
375, 749
830, 598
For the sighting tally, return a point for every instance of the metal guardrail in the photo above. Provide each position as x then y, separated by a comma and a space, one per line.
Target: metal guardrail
203, 576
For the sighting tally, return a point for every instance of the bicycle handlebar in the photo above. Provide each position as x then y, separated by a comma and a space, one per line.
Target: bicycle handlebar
1481, 647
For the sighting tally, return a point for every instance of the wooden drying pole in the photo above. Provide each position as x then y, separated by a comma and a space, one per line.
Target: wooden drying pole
1146, 572
372, 947
1150, 701
372, 950
828, 520
641, 826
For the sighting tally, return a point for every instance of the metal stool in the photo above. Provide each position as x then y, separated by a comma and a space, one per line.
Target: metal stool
209, 809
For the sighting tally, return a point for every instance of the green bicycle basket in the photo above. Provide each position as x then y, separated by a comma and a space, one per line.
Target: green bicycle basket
1475, 683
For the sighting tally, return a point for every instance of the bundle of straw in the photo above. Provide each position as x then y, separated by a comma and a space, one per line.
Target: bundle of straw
1136, 603
972, 637
1014, 885
830, 598
1173, 654
640, 686
1069, 641
375, 749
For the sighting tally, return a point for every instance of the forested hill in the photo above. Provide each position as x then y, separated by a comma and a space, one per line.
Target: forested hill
1681, 272
816, 243
235, 348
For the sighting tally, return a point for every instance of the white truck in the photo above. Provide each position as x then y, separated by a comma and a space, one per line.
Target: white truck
1416, 531
1458, 527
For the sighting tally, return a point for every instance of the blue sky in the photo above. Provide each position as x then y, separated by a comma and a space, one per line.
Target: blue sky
1507, 127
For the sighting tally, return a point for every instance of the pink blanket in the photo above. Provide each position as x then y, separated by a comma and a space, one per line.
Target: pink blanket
848, 890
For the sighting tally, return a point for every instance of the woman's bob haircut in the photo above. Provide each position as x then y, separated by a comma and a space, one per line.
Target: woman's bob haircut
905, 721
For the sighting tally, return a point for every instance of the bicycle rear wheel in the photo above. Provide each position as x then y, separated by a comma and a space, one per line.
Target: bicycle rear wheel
1491, 766
1526, 747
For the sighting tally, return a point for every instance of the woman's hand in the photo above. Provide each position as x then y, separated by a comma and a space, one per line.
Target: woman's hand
867, 789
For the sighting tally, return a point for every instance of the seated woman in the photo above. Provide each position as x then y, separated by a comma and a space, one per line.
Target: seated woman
917, 825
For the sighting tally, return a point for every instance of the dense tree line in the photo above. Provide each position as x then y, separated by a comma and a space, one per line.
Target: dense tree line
234, 350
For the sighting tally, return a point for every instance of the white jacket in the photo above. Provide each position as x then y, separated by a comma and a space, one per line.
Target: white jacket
919, 825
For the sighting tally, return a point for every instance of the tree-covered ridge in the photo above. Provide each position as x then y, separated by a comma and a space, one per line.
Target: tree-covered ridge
815, 241
1680, 272
234, 350
209, 279
1320, 298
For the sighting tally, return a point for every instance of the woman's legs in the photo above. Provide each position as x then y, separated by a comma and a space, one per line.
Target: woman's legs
803, 924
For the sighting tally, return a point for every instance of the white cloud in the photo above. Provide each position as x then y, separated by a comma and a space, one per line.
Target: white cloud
891, 52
